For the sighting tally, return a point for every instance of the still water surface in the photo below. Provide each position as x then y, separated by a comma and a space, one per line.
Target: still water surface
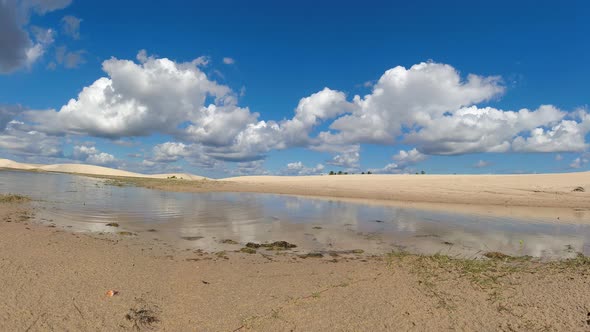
202, 220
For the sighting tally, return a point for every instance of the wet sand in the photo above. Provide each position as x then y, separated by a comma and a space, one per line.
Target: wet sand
53, 279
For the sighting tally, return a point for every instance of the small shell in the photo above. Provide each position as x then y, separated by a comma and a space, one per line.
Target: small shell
112, 293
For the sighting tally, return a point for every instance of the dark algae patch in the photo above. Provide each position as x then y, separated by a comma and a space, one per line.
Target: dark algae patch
277, 245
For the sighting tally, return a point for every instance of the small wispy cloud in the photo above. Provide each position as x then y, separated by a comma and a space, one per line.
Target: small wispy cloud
579, 162
229, 61
482, 164
71, 26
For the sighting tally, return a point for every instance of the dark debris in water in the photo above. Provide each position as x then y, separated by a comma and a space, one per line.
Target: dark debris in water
191, 238
426, 235
312, 255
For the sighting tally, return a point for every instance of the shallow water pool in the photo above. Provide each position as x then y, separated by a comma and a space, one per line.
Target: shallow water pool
203, 220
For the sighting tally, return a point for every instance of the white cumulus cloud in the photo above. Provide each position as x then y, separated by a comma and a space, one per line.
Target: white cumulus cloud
91, 155
298, 168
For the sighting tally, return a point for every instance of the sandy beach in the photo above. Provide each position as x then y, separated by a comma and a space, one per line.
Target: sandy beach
560, 190
57, 280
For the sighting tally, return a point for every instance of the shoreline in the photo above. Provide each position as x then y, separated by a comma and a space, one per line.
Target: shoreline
56, 279
558, 190
562, 213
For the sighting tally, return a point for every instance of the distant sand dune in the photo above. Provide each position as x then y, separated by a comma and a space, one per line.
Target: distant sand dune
6, 163
93, 170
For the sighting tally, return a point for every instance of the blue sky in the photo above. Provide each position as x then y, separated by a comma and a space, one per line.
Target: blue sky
525, 54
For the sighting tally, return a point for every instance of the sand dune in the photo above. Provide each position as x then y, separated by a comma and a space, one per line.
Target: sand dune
92, 169
7, 163
183, 176
87, 169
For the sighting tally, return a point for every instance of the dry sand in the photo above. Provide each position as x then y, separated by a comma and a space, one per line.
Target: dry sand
555, 190
532, 190
56, 280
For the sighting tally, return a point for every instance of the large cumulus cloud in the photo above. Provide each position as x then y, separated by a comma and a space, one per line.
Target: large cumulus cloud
429, 107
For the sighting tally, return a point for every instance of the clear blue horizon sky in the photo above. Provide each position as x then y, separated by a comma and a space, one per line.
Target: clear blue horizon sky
275, 55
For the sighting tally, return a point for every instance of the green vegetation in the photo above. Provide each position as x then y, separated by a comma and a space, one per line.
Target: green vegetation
115, 183
485, 271
248, 250
346, 173
13, 198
